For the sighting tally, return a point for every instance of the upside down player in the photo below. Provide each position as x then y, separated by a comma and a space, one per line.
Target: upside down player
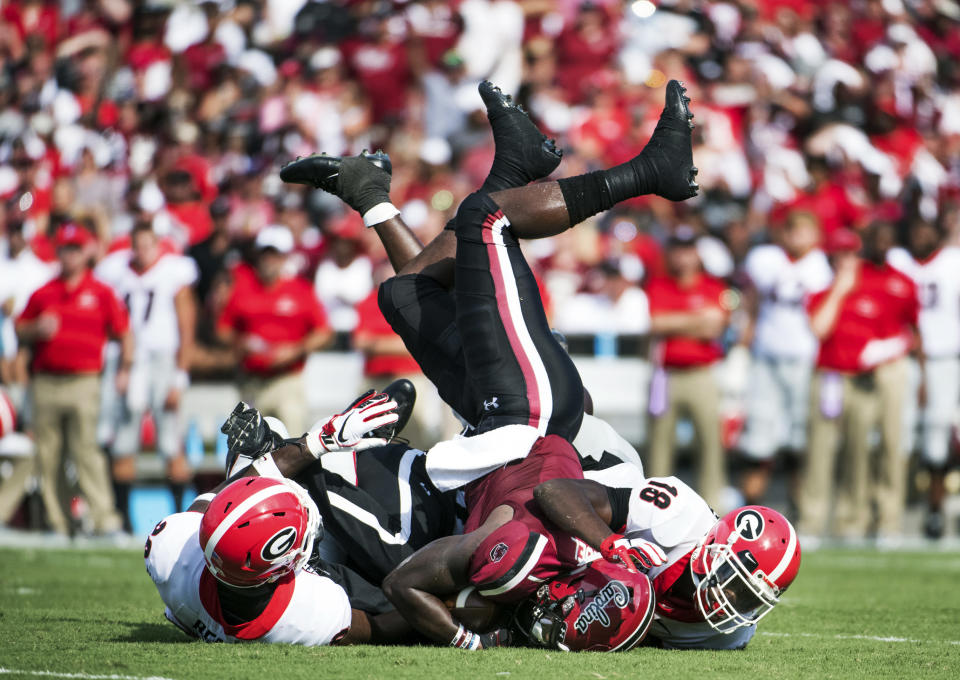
515, 382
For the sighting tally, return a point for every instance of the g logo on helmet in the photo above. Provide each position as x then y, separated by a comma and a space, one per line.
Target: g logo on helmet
278, 544
749, 524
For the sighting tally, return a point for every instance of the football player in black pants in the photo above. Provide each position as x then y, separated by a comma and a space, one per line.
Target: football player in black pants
513, 371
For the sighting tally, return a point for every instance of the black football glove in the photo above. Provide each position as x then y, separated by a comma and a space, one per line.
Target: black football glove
248, 437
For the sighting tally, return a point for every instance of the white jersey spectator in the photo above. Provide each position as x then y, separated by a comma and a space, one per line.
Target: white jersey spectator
783, 347
935, 269
156, 288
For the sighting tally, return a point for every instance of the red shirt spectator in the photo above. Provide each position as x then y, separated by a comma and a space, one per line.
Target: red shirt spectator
275, 319
373, 334
881, 307
84, 313
281, 313
666, 296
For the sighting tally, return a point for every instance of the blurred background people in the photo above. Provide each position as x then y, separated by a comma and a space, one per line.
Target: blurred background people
180, 114
156, 287
935, 269
273, 321
688, 314
781, 277
66, 323
866, 324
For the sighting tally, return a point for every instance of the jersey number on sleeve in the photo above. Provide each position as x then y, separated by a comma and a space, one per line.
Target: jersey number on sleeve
149, 544
657, 493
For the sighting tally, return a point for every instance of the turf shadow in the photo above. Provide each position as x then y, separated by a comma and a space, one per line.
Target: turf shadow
152, 632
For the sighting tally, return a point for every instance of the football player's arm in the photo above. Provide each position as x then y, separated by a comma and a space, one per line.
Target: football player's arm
751, 304
185, 309
416, 586
826, 307
377, 629
704, 324
290, 459
438, 570
578, 506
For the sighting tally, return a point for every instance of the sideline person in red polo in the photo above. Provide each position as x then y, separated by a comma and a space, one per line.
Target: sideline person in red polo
274, 322
866, 323
67, 323
688, 314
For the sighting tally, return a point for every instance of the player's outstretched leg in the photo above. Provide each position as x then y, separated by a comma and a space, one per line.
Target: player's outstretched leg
664, 167
363, 181
523, 153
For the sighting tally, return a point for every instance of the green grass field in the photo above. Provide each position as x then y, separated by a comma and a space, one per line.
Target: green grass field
851, 614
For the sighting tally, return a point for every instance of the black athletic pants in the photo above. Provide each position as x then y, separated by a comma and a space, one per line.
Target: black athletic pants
488, 347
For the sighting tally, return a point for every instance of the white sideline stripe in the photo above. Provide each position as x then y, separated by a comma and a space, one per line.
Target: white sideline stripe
82, 676
873, 638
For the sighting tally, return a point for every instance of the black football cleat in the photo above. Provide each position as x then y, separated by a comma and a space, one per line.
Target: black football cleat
670, 148
404, 393
523, 153
323, 172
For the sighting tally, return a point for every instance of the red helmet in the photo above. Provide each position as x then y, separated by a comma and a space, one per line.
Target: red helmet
743, 565
8, 414
257, 530
600, 607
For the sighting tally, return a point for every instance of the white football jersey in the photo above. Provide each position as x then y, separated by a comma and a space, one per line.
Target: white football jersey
666, 511
310, 610
783, 285
149, 296
938, 285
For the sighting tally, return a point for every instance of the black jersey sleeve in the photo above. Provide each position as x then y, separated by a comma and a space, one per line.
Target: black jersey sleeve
619, 507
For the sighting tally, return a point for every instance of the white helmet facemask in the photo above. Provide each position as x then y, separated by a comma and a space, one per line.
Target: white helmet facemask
731, 595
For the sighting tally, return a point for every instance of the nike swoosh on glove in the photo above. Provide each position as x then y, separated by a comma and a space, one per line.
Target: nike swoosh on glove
345, 431
633, 553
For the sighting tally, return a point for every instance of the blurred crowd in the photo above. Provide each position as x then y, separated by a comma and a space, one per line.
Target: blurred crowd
139, 150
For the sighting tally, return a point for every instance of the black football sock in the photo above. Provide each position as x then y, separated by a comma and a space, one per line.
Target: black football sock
177, 490
121, 494
586, 195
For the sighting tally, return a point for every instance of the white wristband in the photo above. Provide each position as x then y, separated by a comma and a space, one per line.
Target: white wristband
314, 446
381, 212
181, 380
267, 467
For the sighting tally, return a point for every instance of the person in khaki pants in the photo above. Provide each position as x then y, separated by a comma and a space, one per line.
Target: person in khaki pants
274, 321
67, 323
687, 313
866, 323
